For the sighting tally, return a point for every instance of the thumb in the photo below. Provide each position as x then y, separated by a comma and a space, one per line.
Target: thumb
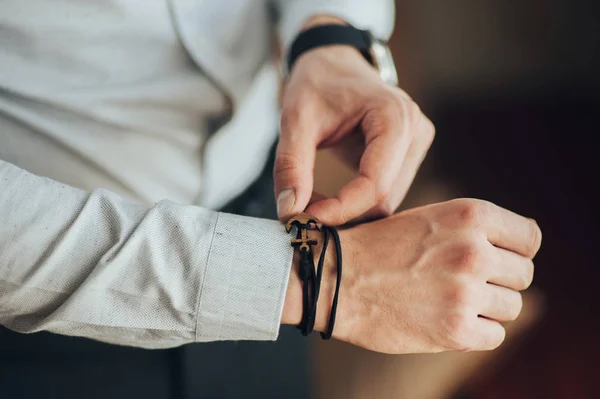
293, 174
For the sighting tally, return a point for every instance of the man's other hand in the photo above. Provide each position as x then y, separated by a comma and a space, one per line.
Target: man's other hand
334, 98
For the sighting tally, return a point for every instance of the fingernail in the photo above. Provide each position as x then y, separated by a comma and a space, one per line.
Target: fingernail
285, 202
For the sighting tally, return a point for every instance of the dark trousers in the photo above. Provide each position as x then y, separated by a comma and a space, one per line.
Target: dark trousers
50, 366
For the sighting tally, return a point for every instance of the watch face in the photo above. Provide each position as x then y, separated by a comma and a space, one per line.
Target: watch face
384, 61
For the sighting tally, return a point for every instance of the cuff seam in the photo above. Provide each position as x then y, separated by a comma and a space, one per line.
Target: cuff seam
204, 274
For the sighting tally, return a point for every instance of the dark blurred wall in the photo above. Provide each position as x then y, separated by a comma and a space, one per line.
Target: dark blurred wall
490, 47
512, 87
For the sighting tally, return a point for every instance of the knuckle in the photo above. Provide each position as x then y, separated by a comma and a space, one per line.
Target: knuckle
460, 296
470, 212
382, 194
390, 115
428, 131
414, 110
469, 258
396, 102
527, 276
393, 107
286, 163
536, 237
515, 307
495, 340
387, 116
458, 332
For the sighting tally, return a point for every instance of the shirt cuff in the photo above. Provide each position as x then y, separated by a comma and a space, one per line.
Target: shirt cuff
376, 16
246, 279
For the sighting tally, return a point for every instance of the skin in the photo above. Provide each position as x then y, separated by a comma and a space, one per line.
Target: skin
436, 278
335, 99
430, 279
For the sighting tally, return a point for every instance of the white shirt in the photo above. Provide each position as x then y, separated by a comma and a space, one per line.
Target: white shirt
116, 98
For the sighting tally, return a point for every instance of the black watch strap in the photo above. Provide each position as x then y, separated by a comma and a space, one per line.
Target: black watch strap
327, 35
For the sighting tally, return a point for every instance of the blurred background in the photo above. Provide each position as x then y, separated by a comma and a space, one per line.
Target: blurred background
512, 87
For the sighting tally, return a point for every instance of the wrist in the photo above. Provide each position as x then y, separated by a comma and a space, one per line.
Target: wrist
322, 19
329, 31
292, 310
292, 307
326, 55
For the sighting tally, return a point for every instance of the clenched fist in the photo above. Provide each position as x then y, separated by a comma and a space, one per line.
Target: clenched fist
436, 278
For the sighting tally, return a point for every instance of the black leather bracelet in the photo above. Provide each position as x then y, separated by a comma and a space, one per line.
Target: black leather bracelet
311, 279
338, 280
328, 35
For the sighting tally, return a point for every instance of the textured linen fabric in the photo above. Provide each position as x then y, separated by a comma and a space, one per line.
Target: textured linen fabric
158, 103
90, 264
134, 90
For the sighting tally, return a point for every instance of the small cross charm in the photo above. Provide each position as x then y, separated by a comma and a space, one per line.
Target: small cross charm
302, 240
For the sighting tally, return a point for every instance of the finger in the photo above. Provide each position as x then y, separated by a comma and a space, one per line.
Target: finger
500, 303
386, 147
511, 270
294, 166
417, 151
491, 334
315, 197
414, 158
507, 230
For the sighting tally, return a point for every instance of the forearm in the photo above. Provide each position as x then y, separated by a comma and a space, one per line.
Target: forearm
92, 265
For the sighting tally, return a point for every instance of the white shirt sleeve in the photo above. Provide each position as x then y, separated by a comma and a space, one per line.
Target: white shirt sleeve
93, 265
374, 15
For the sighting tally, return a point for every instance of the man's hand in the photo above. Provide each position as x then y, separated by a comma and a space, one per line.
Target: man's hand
435, 278
335, 98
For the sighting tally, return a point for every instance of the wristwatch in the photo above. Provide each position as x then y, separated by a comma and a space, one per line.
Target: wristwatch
374, 50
